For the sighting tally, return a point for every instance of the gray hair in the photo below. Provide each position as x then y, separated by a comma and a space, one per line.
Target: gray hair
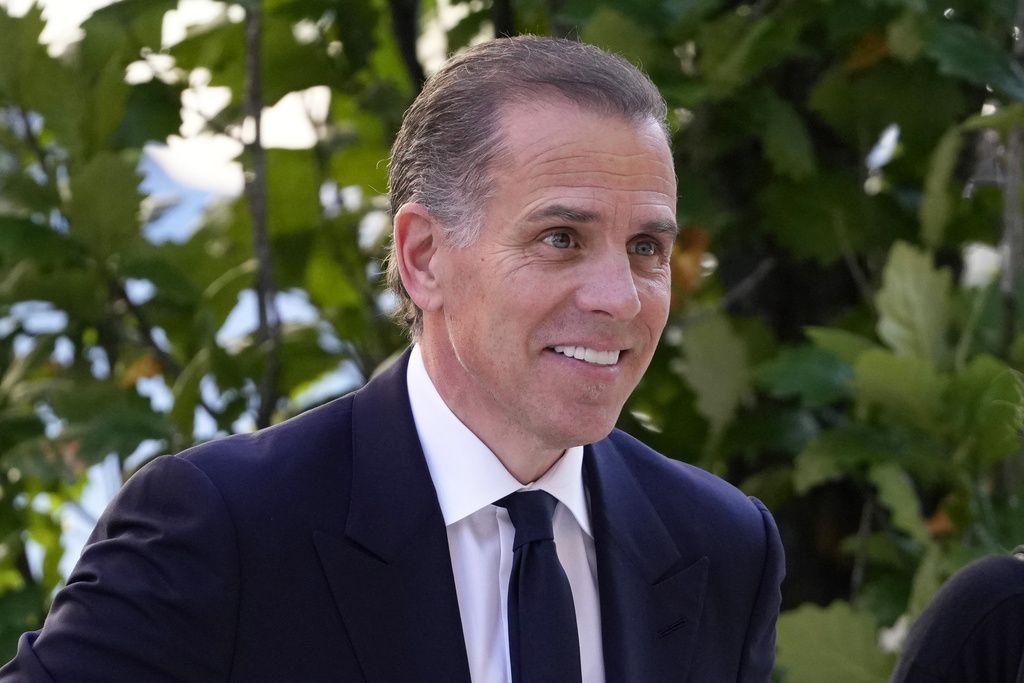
451, 136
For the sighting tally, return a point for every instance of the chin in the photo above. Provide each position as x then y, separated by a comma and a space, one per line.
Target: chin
584, 433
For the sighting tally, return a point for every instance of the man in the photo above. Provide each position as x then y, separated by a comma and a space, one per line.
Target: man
470, 514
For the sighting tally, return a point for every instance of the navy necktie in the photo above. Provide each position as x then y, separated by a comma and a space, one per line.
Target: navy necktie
543, 642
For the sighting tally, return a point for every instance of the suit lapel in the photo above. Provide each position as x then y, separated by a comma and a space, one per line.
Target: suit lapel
651, 596
391, 574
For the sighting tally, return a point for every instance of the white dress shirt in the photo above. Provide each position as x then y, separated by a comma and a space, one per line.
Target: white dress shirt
468, 478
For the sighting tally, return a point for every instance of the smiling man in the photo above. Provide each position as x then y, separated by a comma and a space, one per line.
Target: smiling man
471, 514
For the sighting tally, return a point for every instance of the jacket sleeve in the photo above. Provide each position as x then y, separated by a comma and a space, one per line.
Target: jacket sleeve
154, 595
759, 645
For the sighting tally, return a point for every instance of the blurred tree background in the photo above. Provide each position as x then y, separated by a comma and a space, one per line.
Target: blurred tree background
847, 334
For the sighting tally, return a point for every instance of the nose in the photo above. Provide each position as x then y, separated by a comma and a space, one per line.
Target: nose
610, 288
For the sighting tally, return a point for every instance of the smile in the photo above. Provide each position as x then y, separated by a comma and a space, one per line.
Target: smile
588, 355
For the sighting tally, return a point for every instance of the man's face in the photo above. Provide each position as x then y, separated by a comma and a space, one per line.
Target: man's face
548, 320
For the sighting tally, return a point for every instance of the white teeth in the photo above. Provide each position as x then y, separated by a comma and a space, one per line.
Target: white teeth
589, 355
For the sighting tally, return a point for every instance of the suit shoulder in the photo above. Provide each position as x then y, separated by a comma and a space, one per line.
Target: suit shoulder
280, 460
683, 489
649, 465
304, 433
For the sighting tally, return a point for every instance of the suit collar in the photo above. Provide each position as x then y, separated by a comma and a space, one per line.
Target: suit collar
625, 513
392, 494
651, 595
391, 574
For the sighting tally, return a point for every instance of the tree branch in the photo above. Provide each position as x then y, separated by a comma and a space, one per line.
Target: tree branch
168, 363
35, 146
860, 560
742, 288
405, 25
502, 18
1012, 243
860, 279
269, 331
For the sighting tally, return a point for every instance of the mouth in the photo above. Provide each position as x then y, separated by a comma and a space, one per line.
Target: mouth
588, 355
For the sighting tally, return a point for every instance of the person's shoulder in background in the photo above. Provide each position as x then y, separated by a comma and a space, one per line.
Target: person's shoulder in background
973, 630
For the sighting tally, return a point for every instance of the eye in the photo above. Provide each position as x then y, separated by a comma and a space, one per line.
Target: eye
646, 247
560, 239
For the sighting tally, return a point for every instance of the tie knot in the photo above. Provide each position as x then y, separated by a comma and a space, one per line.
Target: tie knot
531, 513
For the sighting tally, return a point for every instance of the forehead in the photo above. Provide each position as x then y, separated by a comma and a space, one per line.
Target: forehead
554, 143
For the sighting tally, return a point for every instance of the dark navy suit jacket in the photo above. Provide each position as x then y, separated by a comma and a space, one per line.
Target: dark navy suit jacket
316, 551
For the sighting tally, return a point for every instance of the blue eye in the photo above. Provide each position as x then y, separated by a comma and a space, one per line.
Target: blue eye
560, 240
646, 248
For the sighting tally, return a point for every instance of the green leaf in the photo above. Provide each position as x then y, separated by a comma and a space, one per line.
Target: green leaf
467, 28
769, 427
105, 99
815, 376
914, 305
152, 112
220, 297
717, 369
882, 548
938, 200
34, 80
963, 52
927, 579
986, 403
772, 486
302, 359
907, 390
77, 291
903, 36
289, 66
1017, 353
328, 284
823, 217
848, 449
356, 26
20, 610
136, 23
834, 643
785, 138
846, 345
860, 105
736, 48
173, 286
186, 392
104, 206
17, 428
220, 48
292, 201
1004, 119
612, 30
22, 239
897, 494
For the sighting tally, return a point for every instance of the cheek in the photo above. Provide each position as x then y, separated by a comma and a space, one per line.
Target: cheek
656, 298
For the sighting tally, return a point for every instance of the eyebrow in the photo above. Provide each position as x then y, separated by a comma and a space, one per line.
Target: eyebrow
562, 212
571, 215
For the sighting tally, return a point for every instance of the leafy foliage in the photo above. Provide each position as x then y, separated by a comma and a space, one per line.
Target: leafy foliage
823, 350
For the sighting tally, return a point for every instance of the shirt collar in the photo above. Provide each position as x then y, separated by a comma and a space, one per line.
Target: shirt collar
466, 473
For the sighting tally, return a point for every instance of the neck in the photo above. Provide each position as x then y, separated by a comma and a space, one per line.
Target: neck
524, 455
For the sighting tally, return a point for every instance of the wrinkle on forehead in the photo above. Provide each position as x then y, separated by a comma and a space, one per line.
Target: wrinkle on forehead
559, 155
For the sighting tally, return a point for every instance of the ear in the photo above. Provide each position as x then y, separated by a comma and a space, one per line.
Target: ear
417, 238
